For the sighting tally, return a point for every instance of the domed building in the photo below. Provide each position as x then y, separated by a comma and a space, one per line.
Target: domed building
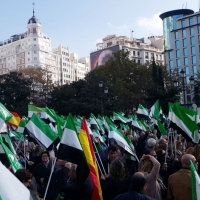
33, 49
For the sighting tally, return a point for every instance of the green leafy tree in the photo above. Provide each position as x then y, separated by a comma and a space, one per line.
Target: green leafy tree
15, 90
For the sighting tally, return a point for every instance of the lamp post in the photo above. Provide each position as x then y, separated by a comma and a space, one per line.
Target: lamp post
105, 91
182, 73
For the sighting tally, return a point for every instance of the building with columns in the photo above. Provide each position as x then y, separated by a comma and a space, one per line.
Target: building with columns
32, 48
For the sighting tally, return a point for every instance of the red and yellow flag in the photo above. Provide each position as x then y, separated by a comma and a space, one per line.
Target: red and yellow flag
88, 150
15, 120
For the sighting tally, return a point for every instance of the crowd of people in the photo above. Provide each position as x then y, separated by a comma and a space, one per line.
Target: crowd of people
160, 170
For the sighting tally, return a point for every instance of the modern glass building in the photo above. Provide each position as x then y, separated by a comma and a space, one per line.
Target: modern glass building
170, 23
182, 45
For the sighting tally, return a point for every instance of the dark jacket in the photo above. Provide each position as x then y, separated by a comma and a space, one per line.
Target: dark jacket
74, 190
57, 183
132, 196
111, 188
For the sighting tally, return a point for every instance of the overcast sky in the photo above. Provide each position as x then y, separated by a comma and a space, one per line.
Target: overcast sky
80, 24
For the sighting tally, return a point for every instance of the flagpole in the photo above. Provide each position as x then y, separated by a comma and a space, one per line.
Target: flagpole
52, 168
166, 151
98, 165
25, 152
175, 143
171, 133
99, 158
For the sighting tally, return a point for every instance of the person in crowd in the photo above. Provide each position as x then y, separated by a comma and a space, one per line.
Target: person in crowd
150, 167
190, 150
142, 143
59, 179
179, 183
42, 172
197, 155
179, 150
76, 190
137, 189
28, 180
112, 155
36, 156
115, 183
162, 144
25, 157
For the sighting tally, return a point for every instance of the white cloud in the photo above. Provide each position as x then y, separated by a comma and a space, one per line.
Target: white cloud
98, 41
117, 27
153, 24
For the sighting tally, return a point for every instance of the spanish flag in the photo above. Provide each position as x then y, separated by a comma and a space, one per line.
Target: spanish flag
15, 120
87, 146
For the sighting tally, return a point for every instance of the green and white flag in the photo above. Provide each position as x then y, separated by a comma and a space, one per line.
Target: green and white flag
181, 119
117, 135
161, 128
41, 131
155, 110
41, 112
16, 134
10, 187
195, 182
120, 117
11, 157
21, 127
142, 111
9, 143
5, 115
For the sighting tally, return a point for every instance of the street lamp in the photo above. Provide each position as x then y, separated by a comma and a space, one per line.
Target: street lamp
182, 73
105, 91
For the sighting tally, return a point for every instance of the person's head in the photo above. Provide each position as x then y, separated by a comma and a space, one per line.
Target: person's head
24, 176
151, 142
72, 172
179, 145
190, 150
151, 152
162, 141
138, 183
185, 161
197, 151
112, 152
38, 150
117, 169
45, 156
190, 144
23, 146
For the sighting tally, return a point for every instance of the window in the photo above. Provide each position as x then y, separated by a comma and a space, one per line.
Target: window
184, 42
171, 64
185, 61
138, 61
35, 52
187, 70
138, 53
184, 33
191, 21
152, 55
35, 58
194, 69
198, 19
194, 60
178, 62
176, 35
134, 53
34, 39
192, 40
183, 23
28, 59
192, 31
178, 53
146, 55
170, 55
193, 50
177, 44
199, 38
